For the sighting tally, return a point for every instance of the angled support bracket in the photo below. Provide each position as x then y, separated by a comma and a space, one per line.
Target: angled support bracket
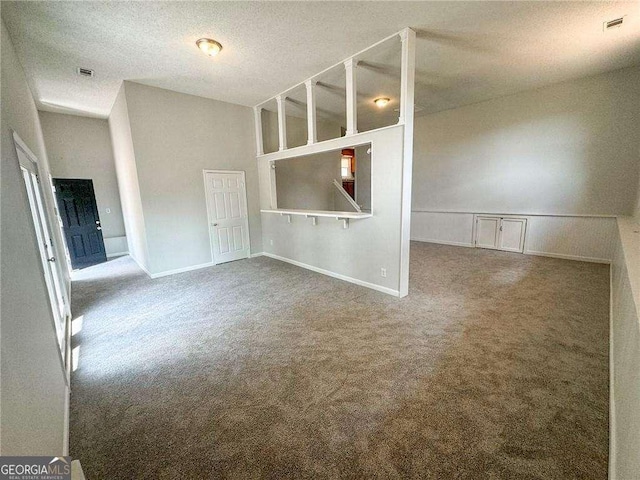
345, 222
314, 220
288, 215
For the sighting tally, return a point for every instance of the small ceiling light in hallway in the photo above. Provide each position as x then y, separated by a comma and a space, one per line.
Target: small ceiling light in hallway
209, 47
381, 102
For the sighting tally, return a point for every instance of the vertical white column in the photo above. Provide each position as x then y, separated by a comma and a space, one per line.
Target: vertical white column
407, 74
282, 122
407, 80
352, 107
273, 194
312, 135
257, 115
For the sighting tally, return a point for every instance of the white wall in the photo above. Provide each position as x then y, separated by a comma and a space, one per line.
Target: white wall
175, 137
33, 389
576, 238
624, 457
569, 150
368, 245
127, 175
80, 147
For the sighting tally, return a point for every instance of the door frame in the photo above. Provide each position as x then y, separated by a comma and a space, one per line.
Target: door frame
246, 206
61, 314
64, 229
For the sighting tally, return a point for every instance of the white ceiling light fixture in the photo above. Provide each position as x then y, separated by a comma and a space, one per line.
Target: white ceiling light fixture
381, 102
209, 47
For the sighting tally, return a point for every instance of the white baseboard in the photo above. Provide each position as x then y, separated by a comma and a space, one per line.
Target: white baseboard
181, 270
166, 273
526, 252
568, 257
442, 242
339, 276
117, 254
141, 266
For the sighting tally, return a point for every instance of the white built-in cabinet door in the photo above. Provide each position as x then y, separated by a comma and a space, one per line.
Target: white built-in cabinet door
512, 234
487, 232
500, 233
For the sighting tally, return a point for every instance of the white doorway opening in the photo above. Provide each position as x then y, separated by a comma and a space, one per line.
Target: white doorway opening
226, 195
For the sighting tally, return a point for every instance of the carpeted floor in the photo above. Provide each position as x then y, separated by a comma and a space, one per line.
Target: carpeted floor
495, 366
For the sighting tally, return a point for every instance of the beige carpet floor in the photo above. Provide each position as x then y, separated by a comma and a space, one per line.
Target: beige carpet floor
495, 366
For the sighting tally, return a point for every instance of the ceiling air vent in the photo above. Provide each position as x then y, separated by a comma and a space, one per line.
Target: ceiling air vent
616, 23
85, 72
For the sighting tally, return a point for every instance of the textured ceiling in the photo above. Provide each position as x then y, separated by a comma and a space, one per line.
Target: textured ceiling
467, 51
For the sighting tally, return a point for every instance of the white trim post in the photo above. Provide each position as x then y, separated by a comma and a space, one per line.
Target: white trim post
273, 194
282, 122
312, 130
257, 115
352, 107
408, 38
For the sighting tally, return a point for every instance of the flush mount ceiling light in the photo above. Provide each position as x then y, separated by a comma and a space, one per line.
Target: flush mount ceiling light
209, 47
381, 102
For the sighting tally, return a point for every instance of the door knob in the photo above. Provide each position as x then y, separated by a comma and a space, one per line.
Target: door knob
215, 224
52, 259
99, 228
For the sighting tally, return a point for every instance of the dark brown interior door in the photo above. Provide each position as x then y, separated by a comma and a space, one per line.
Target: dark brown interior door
80, 221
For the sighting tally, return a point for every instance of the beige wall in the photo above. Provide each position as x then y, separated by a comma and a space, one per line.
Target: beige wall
304, 182
636, 213
80, 147
33, 389
127, 176
307, 182
571, 148
296, 131
175, 137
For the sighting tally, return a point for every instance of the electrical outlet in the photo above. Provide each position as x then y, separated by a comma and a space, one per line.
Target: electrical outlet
383, 272
271, 242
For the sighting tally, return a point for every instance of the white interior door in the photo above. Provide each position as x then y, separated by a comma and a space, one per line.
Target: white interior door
45, 246
487, 232
228, 219
512, 234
